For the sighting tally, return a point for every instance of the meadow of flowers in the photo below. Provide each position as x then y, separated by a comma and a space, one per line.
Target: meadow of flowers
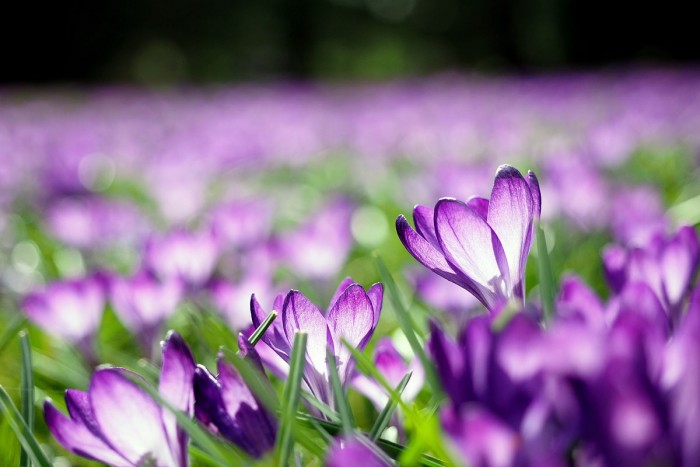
443, 271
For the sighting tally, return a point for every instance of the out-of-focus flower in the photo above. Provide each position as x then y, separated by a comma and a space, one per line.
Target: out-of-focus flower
666, 266
481, 245
69, 309
143, 303
226, 406
318, 249
116, 422
241, 224
232, 300
352, 315
637, 214
350, 452
393, 367
182, 255
443, 296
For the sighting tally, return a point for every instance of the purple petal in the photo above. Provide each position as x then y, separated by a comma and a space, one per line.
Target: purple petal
376, 296
472, 247
679, 264
352, 319
175, 386
429, 256
510, 216
275, 335
534, 185
347, 282
578, 302
615, 267
480, 206
299, 314
352, 453
73, 435
130, 420
424, 220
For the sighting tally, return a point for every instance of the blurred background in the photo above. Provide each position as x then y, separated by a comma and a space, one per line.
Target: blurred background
181, 41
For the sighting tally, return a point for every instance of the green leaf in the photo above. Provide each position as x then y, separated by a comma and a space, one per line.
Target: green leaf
290, 401
385, 416
341, 402
27, 390
407, 326
11, 330
258, 333
25, 436
547, 282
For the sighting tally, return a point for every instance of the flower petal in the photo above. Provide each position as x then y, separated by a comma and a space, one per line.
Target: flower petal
534, 185
73, 435
510, 216
175, 386
299, 314
352, 319
473, 248
376, 296
479, 205
424, 220
347, 282
274, 336
130, 420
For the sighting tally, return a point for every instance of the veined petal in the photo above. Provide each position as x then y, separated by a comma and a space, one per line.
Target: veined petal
175, 386
347, 282
424, 220
130, 420
274, 336
299, 314
352, 319
73, 435
510, 216
534, 185
472, 247
376, 296
479, 205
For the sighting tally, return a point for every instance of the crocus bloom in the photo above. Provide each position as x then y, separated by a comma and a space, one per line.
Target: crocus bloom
143, 303
69, 309
352, 315
481, 245
226, 406
187, 256
393, 367
116, 422
351, 453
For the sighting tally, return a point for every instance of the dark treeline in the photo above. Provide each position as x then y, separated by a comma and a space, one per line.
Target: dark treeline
161, 41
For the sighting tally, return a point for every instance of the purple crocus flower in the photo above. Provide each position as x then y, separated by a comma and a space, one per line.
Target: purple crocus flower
666, 266
393, 367
352, 315
186, 256
481, 245
351, 452
226, 406
143, 303
69, 309
116, 422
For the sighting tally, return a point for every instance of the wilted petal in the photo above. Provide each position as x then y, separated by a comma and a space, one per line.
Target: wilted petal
130, 420
510, 216
352, 319
299, 314
472, 246
73, 435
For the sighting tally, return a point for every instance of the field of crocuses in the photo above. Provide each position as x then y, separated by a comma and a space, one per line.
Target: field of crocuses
442, 271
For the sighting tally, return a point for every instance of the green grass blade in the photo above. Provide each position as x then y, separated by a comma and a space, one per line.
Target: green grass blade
547, 282
26, 439
27, 391
341, 402
290, 401
385, 416
208, 445
328, 412
258, 333
407, 325
11, 330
